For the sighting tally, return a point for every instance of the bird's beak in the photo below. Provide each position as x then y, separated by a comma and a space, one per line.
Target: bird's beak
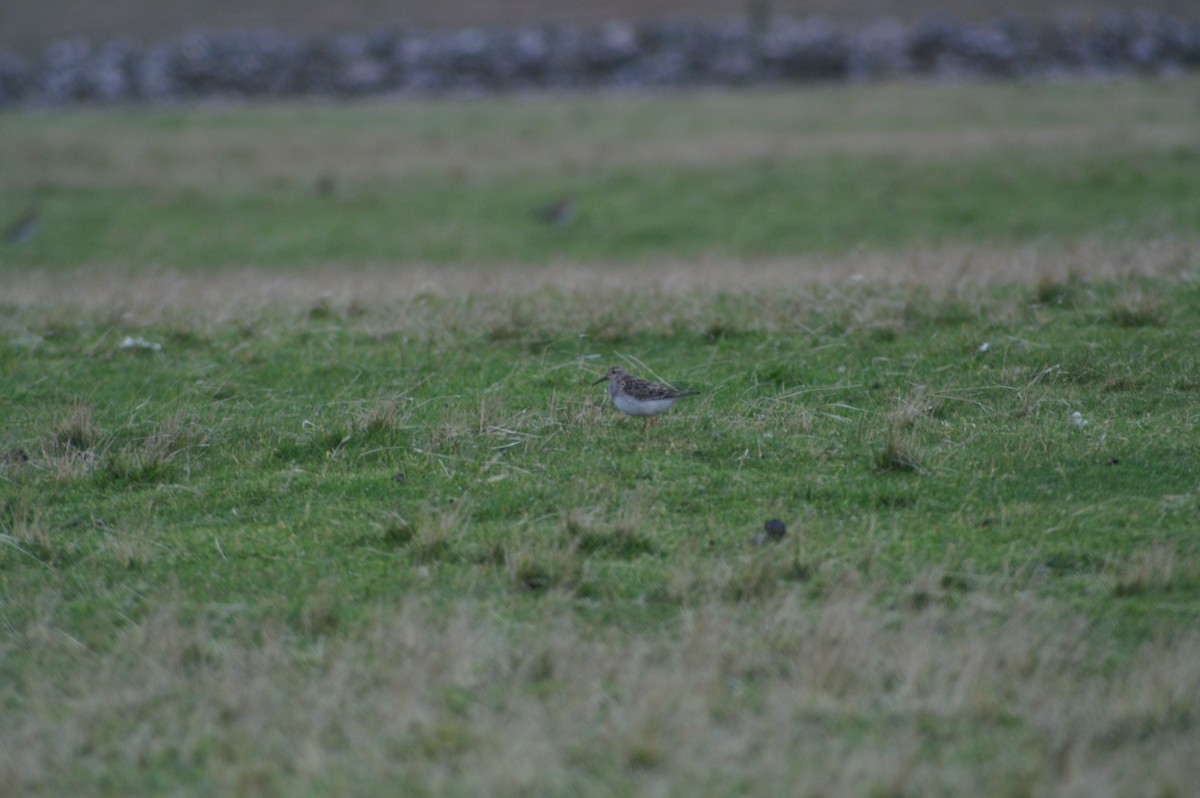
602, 379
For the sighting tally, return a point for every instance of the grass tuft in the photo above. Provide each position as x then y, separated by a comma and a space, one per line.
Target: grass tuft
76, 446
621, 542
917, 407
1057, 293
645, 754
1150, 571
543, 570
384, 416
159, 456
936, 588
432, 536
397, 531
900, 454
25, 533
758, 577
1134, 309
906, 420
322, 612
78, 431
128, 545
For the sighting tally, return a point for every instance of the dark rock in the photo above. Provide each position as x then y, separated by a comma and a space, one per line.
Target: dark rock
806, 51
775, 529
16, 77
773, 532
670, 52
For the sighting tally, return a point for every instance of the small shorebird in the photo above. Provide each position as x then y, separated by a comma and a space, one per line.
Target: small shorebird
559, 214
634, 396
24, 229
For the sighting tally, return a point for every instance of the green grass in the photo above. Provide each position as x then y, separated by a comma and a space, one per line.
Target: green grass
307, 475
764, 174
281, 441
827, 204
354, 526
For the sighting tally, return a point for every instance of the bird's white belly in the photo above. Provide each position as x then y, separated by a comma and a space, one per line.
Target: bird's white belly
642, 407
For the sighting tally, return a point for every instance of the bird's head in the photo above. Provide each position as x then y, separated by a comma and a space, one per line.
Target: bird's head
615, 371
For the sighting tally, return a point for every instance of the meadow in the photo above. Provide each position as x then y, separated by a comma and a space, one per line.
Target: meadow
305, 489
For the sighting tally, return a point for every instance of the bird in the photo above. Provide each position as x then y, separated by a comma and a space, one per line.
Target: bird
24, 229
634, 396
559, 213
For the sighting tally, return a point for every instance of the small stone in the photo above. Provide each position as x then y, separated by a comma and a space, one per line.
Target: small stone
774, 530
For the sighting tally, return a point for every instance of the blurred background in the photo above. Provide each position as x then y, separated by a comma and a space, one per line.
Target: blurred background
28, 25
189, 137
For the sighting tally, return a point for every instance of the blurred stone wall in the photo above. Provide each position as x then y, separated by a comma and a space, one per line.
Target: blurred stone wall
665, 53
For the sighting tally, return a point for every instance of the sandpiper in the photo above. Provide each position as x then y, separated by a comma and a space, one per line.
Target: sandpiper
634, 396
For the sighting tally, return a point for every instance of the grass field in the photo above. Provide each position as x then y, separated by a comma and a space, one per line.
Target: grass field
304, 491
762, 175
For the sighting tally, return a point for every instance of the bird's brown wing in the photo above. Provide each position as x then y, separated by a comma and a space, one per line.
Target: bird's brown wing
646, 390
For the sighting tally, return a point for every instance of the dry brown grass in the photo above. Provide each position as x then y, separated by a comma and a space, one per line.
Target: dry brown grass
160, 452
25, 529
1135, 308
211, 149
1154, 570
76, 445
467, 293
777, 696
910, 414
